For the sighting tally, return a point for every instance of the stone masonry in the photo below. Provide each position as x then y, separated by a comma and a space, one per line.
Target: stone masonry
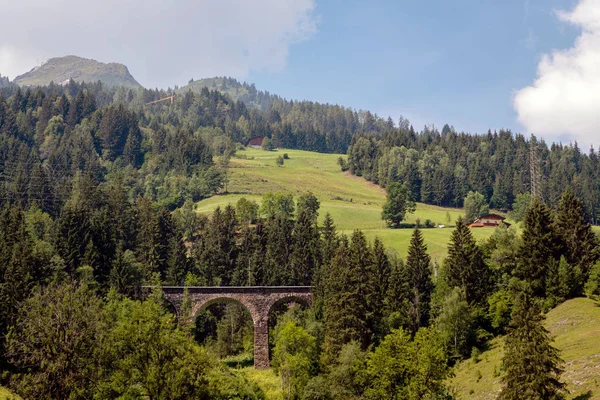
259, 300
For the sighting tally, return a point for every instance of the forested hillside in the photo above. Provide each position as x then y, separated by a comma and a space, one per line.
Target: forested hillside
98, 189
247, 93
442, 167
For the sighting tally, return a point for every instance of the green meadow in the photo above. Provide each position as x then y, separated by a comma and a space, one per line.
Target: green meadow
353, 202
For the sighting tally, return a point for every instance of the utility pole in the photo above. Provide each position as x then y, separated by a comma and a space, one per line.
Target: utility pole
535, 170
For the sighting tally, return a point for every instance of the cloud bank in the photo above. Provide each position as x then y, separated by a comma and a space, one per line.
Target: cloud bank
163, 42
563, 104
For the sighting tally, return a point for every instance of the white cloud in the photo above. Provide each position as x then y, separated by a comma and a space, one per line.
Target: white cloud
563, 104
163, 42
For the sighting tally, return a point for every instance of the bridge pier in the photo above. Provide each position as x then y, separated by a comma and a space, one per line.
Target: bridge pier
258, 300
261, 343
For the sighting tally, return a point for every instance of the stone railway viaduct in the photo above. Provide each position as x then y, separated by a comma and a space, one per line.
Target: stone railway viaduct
259, 300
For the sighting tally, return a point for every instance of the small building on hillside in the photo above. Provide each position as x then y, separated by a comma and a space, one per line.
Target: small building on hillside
489, 220
255, 142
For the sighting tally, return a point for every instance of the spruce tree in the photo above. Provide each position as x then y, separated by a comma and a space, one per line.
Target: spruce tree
418, 266
329, 245
218, 250
397, 302
277, 252
348, 314
305, 257
580, 243
147, 240
532, 365
465, 266
361, 272
338, 322
382, 270
249, 263
330, 238
540, 247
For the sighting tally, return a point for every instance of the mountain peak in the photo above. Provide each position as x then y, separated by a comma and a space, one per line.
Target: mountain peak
61, 69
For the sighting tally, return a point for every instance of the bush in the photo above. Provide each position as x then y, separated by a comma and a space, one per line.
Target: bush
285, 156
279, 161
317, 389
343, 164
475, 354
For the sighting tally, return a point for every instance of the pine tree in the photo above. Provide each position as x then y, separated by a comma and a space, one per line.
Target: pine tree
278, 250
382, 270
540, 247
532, 365
347, 311
330, 238
73, 236
147, 237
305, 256
418, 265
217, 251
465, 266
249, 263
397, 301
581, 244
348, 314
329, 244
17, 268
338, 321
76, 110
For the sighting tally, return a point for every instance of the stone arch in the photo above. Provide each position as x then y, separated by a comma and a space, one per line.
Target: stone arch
306, 303
203, 305
258, 300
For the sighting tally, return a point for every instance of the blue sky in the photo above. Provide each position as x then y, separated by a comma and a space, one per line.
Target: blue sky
458, 62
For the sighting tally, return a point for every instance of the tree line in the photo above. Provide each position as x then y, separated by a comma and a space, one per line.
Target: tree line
441, 168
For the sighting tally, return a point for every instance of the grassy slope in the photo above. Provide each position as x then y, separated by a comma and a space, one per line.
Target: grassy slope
575, 325
319, 173
6, 394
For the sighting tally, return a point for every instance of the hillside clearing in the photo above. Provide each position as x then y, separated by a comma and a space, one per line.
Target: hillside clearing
353, 202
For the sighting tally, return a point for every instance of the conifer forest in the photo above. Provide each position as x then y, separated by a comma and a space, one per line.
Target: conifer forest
97, 195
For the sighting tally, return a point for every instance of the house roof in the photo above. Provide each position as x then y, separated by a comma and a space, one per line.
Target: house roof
255, 141
492, 216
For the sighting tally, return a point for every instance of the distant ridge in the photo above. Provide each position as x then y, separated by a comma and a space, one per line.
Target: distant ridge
244, 92
61, 69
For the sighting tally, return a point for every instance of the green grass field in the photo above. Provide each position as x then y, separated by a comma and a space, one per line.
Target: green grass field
575, 325
353, 202
6, 394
